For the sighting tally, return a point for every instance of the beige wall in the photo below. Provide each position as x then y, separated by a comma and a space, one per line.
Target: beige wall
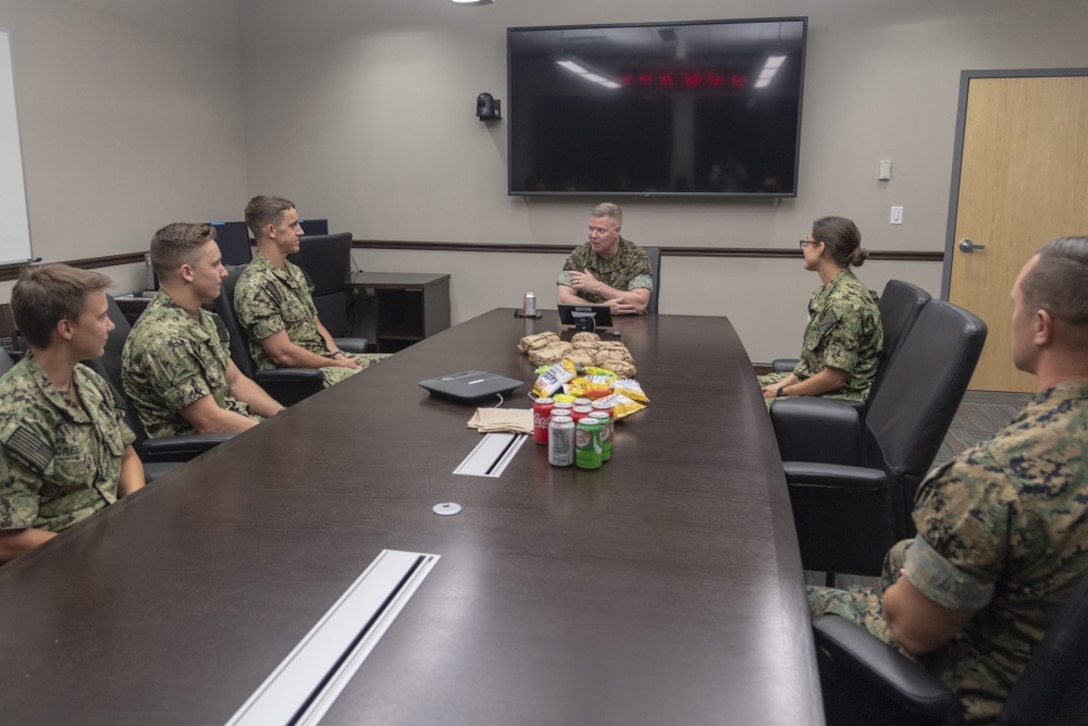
367, 118
130, 116
138, 112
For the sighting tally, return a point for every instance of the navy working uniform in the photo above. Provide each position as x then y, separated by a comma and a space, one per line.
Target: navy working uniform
60, 461
844, 331
172, 360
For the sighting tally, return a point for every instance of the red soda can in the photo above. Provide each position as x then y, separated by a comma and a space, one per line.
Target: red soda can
542, 413
580, 412
602, 406
583, 402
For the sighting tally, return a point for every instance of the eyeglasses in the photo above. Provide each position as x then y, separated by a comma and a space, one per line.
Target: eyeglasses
806, 242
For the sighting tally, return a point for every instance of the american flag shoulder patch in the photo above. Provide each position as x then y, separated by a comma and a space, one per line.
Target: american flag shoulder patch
34, 452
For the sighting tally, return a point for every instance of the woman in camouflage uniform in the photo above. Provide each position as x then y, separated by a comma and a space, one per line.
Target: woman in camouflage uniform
844, 338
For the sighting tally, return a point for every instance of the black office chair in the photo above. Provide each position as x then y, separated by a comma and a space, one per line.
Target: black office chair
158, 455
326, 260
866, 681
899, 305
852, 478
654, 253
286, 385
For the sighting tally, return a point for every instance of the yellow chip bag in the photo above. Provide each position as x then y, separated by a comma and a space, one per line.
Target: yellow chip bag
584, 387
630, 388
622, 406
595, 373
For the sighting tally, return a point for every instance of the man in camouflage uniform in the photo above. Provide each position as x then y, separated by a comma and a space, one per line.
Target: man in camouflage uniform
65, 451
274, 303
176, 365
1002, 528
607, 270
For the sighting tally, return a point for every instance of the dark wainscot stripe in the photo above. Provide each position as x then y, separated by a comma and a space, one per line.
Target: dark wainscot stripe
11, 272
766, 252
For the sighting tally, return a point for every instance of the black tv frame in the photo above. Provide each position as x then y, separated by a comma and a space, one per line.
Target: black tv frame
760, 184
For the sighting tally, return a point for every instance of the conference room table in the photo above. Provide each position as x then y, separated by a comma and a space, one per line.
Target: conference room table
663, 588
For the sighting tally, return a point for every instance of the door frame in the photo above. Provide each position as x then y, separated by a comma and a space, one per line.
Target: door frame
957, 150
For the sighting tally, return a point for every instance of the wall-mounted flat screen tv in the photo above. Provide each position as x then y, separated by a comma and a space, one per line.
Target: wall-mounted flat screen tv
709, 108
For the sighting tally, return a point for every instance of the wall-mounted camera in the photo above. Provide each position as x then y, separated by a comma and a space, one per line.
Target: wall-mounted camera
488, 108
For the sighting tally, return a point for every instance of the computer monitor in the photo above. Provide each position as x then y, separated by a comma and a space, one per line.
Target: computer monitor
586, 317
314, 226
233, 239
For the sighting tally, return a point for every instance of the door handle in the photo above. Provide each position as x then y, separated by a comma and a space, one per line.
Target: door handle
968, 246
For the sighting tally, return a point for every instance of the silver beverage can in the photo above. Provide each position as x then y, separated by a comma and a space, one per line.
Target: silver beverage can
560, 440
528, 305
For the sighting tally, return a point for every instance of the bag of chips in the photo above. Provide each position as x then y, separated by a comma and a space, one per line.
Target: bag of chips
552, 379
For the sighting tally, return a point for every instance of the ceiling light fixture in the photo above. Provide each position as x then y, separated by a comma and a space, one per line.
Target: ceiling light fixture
581, 68
473, 2
774, 62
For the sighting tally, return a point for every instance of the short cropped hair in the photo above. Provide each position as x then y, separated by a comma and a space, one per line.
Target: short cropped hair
265, 209
610, 210
178, 244
47, 294
842, 237
1057, 284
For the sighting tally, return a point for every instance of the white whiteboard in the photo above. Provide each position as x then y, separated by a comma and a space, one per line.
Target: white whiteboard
14, 223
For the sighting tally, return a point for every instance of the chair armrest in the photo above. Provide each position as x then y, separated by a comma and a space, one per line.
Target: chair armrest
351, 345
179, 448
784, 365
869, 663
809, 428
815, 473
291, 385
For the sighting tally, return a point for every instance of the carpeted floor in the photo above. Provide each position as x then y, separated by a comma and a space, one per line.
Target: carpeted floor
980, 415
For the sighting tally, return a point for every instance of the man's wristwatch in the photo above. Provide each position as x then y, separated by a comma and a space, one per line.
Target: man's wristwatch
780, 392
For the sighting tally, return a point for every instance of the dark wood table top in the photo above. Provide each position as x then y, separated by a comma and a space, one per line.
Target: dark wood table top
664, 588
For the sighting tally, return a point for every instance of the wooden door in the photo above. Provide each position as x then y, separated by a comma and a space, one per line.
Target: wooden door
1023, 180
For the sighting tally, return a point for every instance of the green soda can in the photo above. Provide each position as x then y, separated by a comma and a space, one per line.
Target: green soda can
606, 433
587, 443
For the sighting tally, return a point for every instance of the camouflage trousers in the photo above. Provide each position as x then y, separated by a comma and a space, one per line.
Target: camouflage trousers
334, 375
863, 606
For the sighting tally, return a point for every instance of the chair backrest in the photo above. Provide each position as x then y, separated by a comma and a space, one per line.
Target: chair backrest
239, 341
1052, 690
899, 305
654, 253
6, 362
332, 311
922, 388
326, 260
109, 366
